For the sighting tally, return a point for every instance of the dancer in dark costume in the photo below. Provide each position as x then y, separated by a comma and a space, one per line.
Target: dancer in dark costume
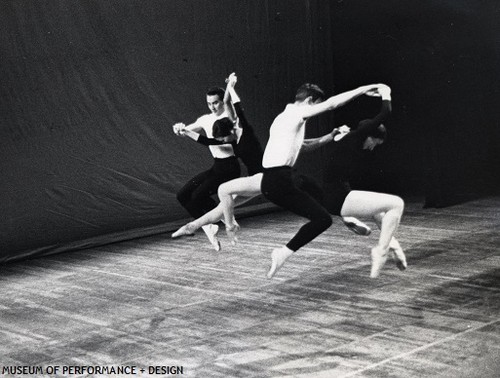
195, 195
245, 144
385, 209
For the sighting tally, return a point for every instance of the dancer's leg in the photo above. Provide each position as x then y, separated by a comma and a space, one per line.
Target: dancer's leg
319, 220
188, 193
362, 204
213, 216
279, 186
236, 192
232, 193
394, 245
201, 202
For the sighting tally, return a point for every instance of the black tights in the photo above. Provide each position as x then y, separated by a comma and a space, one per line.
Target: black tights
294, 194
195, 196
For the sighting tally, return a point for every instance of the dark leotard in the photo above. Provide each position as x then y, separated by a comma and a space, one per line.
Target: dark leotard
346, 158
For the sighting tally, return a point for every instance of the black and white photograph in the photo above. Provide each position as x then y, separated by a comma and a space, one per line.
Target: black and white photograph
250, 188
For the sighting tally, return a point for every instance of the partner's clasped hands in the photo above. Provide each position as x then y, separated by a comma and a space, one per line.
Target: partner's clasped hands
179, 128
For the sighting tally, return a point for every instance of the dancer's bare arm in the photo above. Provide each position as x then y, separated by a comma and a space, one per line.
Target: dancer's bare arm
339, 100
312, 144
229, 98
180, 127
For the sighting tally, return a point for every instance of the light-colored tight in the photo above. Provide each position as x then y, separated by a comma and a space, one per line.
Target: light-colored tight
385, 209
231, 194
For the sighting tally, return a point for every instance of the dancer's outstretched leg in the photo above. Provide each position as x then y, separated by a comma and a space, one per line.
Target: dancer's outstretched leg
281, 189
361, 204
233, 193
394, 246
213, 216
206, 222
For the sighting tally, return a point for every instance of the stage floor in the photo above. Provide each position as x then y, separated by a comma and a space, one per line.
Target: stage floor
155, 301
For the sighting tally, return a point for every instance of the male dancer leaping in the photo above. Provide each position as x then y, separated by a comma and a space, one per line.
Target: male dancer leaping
279, 183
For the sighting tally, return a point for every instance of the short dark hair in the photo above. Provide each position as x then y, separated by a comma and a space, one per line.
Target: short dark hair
216, 91
306, 90
380, 132
222, 128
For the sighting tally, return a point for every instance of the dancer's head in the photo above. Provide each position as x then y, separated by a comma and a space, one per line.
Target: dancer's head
223, 130
215, 100
376, 138
309, 93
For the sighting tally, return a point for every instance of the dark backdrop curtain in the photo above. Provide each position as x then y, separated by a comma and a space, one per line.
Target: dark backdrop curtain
442, 60
89, 91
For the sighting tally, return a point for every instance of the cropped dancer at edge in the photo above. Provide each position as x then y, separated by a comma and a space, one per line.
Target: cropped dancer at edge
385, 209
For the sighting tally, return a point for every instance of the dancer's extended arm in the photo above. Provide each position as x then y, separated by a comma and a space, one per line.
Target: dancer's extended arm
312, 144
339, 100
368, 126
229, 99
201, 138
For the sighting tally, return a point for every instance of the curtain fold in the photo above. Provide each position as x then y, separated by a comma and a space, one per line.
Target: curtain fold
90, 90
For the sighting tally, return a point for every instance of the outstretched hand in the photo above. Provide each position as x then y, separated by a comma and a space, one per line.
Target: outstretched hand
232, 79
384, 90
342, 131
378, 90
178, 128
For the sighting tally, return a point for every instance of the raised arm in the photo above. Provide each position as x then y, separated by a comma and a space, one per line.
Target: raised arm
339, 100
368, 126
386, 109
231, 83
229, 98
236, 101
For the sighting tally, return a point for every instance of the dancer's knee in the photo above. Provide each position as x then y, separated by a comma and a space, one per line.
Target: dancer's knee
399, 205
223, 190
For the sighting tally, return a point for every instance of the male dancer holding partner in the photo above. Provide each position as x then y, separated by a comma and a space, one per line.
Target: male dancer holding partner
239, 133
242, 138
195, 195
